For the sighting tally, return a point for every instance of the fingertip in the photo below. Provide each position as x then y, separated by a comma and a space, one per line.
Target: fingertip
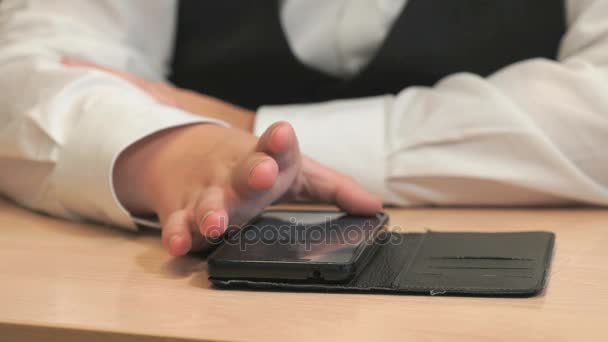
263, 175
277, 139
282, 137
179, 245
214, 223
359, 202
375, 202
176, 236
376, 206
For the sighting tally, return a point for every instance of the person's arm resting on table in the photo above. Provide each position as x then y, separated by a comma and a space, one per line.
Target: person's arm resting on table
63, 128
70, 136
532, 133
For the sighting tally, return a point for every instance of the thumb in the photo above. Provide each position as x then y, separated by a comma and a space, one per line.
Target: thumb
329, 186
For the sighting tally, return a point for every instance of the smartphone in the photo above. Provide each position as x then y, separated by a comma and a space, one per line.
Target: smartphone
299, 246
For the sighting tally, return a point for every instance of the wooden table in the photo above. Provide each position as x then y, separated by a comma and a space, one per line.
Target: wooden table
63, 281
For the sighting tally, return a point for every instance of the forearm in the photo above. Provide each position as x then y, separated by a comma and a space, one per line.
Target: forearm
59, 150
63, 128
530, 134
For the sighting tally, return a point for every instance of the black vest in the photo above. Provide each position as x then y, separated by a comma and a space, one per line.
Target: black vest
236, 50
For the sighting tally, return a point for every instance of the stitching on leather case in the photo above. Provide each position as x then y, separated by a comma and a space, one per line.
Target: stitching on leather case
449, 289
406, 267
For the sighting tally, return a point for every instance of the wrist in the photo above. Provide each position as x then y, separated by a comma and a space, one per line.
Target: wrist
248, 121
209, 106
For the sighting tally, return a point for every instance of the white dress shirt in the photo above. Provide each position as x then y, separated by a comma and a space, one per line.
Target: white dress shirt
533, 133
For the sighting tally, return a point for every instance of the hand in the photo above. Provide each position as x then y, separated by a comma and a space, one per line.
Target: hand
199, 179
183, 99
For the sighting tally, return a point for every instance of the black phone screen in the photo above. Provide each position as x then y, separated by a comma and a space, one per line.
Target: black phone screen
288, 236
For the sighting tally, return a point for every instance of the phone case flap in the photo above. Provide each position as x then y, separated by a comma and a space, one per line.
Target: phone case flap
492, 264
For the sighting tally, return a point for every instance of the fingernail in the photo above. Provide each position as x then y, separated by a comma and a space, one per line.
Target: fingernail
204, 218
255, 166
281, 126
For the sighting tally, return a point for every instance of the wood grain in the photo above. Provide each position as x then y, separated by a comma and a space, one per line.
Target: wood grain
68, 281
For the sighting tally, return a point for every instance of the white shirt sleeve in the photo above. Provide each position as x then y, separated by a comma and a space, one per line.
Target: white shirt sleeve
61, 129
532, 133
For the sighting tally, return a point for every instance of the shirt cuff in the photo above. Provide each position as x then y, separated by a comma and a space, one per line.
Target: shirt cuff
84, 173
346, 135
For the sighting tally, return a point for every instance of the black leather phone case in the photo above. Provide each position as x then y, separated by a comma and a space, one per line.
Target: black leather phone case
434, 263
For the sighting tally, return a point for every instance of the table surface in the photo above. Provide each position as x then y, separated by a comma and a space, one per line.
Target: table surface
66, 281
